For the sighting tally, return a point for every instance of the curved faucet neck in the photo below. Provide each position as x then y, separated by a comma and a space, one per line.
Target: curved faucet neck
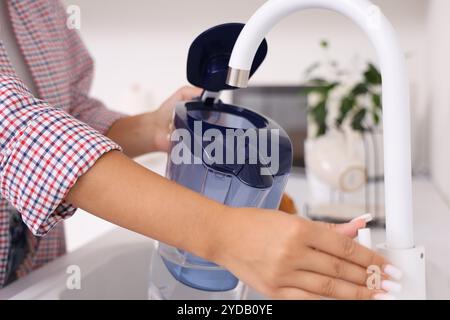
396, 111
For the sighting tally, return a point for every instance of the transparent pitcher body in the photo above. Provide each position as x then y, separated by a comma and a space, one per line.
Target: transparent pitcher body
165, 286
176, 274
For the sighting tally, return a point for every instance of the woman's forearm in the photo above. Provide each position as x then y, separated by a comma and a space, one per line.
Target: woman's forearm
120, 191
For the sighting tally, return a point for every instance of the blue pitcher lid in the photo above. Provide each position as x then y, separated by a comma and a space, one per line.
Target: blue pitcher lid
209, 54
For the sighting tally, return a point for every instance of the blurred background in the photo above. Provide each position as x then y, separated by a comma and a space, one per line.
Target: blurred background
140, 49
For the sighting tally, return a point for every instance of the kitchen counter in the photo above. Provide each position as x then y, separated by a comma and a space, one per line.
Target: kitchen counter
115, 266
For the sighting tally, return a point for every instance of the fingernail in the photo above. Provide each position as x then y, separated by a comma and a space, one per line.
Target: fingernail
168, 136
393, 272
366, 217
384, 296
391, 286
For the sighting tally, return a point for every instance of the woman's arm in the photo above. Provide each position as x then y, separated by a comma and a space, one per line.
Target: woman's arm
121, 191
280, 255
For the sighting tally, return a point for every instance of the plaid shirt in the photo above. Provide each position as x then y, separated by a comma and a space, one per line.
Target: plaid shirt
46, 144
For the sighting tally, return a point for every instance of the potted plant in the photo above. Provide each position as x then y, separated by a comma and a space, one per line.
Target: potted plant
344, 104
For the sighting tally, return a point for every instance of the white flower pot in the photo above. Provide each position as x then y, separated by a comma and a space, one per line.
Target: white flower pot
335, 161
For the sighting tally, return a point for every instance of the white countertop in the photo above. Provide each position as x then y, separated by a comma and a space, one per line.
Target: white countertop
432, 222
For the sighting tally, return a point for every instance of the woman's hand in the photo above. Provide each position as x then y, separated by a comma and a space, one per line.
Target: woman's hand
150, 131
162, 118
287, 257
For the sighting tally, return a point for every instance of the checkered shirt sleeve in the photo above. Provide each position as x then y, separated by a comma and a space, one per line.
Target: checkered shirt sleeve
43, 151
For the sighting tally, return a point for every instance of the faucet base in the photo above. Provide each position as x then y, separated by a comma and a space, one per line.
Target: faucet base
412, 263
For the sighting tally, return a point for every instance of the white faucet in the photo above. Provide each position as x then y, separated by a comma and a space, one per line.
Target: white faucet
399, 248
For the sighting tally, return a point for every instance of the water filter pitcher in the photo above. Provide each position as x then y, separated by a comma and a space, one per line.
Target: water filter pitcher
227, 153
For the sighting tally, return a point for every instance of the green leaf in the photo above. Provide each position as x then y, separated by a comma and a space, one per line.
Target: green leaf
321, 130
359, 89
324, 44
320, 86
319, 114
332, 85
347, 105
376, 117
320, 90
315, 86
372, 75
358, 120
318, 82
376, 99
312, 68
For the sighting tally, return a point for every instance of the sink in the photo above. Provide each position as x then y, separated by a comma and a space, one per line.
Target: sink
115, 266
125, 275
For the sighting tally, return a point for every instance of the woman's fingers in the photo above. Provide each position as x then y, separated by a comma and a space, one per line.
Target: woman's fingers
330, 287
188, 93
328, 265
342, 246
349, 229
294, 294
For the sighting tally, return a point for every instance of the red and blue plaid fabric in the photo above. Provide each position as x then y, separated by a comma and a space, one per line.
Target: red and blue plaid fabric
46, 144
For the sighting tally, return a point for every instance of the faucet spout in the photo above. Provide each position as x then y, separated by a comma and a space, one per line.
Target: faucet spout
396, 111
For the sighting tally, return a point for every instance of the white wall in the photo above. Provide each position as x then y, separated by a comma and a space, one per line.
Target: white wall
439, 98
145, 42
